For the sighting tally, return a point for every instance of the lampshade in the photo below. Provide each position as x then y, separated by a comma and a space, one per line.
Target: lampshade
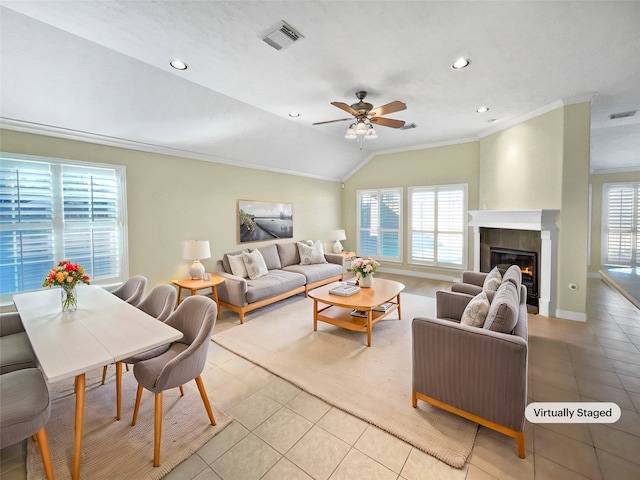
351, 133
338, 235
371, 134
196, 249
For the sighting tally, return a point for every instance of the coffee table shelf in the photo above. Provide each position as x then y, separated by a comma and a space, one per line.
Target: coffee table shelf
336, 310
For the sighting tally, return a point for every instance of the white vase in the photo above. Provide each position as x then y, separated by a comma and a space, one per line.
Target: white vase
366, 282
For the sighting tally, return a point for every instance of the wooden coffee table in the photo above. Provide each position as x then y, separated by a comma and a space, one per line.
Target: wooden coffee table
336, 310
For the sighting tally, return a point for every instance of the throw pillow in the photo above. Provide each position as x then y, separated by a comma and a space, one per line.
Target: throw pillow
493, 280
503, 312
254, 263
475, 313
236, 262
311, 255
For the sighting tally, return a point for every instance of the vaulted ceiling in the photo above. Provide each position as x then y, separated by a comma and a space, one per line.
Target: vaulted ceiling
99, 71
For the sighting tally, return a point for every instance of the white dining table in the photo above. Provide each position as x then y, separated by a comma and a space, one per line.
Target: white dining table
104, 329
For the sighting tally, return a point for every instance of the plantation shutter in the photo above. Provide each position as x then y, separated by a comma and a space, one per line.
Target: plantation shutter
622, 217
52, 210
379, 223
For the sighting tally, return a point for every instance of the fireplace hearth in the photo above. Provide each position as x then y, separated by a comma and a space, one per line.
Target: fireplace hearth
503, 258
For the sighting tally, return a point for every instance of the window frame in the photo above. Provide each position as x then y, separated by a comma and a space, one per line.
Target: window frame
56, 225
464, 229
634, 231
379, 192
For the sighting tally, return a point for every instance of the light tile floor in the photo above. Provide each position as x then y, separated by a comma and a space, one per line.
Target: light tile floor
282, 433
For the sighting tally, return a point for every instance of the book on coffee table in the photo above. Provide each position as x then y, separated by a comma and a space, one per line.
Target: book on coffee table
345, 290
385, 307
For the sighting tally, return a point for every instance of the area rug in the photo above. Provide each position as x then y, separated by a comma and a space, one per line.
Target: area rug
372, 383
114, 449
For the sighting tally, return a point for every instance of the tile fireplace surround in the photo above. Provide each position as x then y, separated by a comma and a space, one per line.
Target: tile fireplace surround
543, 221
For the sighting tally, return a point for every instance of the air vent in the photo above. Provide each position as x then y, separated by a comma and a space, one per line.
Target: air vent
281, 35
408, 126
616, 116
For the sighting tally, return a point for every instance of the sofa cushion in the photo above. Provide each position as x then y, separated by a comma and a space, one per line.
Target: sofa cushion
236, 263
288, 253
513, 275
311, 255
272, 284
225, 260
254, 262
493, 280
503, 312
317, 272
271, 258
475, 313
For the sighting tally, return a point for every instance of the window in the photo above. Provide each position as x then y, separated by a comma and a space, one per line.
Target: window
620, 220
380, 223
52, 210
437, 217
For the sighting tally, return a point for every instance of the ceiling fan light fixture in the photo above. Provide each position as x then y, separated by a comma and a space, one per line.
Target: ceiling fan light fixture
371, 134
361, 129
351, 133
461, 63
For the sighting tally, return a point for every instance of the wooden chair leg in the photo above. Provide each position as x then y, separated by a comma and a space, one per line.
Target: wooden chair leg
41, 436
104, 373
181, 391
205, 399
157, 429
137, 406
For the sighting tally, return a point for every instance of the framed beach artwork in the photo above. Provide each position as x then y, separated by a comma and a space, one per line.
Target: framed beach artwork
259, 221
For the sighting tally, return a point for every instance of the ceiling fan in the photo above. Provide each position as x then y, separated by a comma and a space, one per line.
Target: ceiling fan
364, 116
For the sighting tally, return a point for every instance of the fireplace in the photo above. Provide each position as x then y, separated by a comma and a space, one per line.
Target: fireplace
543, 223
503, 258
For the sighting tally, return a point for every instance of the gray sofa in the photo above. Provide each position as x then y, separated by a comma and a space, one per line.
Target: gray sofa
479, 373
286, 277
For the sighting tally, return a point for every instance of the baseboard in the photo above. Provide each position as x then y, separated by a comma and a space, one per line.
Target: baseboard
569, 315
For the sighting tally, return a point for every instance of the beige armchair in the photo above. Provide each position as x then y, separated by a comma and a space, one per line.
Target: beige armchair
479, 373
132, 290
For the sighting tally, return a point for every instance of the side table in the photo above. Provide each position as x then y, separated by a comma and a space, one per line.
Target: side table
194, 285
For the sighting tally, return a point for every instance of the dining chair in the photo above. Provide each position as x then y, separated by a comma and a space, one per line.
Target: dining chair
15, 349
26, 408
132, 290
159, 304
184, 361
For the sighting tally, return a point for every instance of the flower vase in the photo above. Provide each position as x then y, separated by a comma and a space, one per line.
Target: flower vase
69, 299
366, 281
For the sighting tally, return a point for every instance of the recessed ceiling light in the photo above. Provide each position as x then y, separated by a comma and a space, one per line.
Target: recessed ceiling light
491, 120
482, 109
461, 63
294, 114
178, 64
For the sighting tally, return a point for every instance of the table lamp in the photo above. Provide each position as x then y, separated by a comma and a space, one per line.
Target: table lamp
195, 250
338, 235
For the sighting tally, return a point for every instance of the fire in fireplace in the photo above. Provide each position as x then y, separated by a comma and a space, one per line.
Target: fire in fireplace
503, 258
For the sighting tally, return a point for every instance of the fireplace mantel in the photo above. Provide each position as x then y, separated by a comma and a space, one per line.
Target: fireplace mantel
515, 219
543, 221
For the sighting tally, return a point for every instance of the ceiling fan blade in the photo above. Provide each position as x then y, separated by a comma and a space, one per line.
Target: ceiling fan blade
345, 107
332, 121
388, 108
387, 122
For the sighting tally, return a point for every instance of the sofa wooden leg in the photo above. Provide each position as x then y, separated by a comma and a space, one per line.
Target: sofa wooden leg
414, 399
520, 442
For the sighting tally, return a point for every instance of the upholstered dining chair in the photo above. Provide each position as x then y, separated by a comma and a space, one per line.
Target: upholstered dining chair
159, 304
184, 361
15, 350
132, 290
25, 411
